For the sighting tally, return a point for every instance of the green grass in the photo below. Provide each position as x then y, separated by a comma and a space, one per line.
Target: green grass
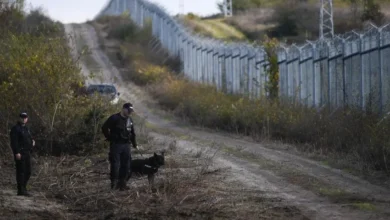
364, 206
215, 28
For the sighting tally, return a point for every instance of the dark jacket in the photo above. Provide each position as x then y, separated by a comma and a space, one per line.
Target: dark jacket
21, 139
118, 129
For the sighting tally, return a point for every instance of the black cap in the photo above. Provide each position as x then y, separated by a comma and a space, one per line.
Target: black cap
128, 106
23, 115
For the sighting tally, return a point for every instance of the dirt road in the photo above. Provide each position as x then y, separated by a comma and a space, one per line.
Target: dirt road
320, 192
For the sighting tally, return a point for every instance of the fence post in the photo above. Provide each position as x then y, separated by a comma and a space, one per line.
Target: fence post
259, 66
243, 71
251, 71
370, 45
385, 67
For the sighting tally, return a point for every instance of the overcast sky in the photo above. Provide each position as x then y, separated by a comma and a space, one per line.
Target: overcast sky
68, 11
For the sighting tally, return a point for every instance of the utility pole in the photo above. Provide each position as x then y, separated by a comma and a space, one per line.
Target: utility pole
326, 19
228, 8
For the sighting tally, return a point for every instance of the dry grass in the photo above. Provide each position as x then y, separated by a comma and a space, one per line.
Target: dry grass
215, 28
189, 186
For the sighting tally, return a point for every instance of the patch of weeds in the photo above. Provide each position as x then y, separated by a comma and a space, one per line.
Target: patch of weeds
325, 163
365, 206
185, 137
331, 192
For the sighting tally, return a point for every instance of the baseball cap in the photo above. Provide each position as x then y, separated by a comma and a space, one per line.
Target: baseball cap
23, 115
128, 106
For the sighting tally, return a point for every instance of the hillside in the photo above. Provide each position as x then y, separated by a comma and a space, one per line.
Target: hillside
291, 22
216, 28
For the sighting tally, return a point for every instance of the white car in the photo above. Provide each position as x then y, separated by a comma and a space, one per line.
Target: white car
106, 90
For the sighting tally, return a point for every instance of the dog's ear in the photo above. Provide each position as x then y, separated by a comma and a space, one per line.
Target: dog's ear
155, 154
163, 152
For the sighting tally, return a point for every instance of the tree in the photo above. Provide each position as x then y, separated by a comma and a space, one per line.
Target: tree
372, 12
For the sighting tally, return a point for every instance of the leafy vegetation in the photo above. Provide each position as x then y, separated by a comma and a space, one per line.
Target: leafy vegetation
39, 75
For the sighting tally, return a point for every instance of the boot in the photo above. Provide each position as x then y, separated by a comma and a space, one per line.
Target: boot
122, 185
25, 192
20, 190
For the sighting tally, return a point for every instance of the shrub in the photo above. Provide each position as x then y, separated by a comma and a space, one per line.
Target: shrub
39, 75
191, 16
148, 73
124, 31
372, 12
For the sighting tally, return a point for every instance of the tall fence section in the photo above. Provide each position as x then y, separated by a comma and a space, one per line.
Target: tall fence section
349, 70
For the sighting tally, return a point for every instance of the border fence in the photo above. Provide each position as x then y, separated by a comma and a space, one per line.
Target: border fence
352, 69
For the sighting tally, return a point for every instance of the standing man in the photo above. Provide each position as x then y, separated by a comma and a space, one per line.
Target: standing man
119, 131
21, 144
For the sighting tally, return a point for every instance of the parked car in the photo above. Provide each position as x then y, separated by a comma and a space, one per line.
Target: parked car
106, 90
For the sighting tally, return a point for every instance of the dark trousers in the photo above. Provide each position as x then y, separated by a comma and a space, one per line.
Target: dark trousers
23, 171
119, 157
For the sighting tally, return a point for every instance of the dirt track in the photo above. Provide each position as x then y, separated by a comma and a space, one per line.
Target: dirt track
276, 173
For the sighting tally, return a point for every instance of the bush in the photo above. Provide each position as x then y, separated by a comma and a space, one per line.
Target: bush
39, 75
146, 73
372, 12
123, 32
192, 16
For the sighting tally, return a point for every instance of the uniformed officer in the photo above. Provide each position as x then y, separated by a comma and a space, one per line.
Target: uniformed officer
119, 131
21, 144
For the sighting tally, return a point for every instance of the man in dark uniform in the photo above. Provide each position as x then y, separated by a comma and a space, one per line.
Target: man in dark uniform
119, 131
22, 143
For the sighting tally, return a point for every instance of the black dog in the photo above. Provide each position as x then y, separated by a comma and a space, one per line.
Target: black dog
147, 166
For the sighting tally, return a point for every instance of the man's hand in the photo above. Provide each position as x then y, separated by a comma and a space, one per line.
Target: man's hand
33, 143
18, 156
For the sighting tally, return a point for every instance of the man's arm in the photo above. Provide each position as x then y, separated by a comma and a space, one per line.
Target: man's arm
107, 125
15, 141
132, 137
31, 137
